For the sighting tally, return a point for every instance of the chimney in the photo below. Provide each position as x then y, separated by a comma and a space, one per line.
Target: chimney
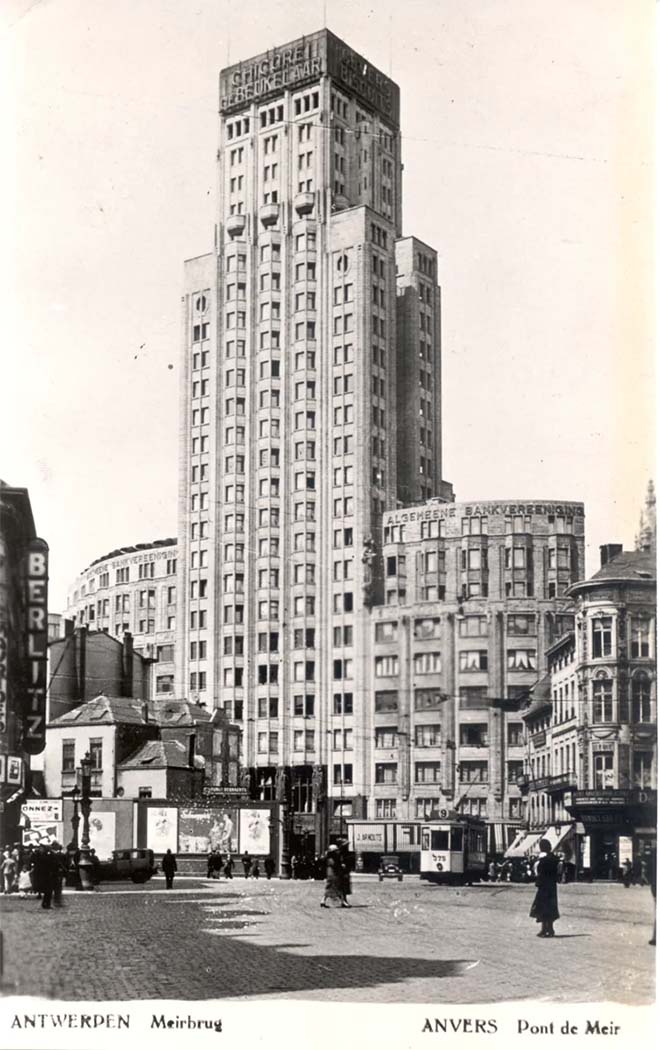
127, 665
609, 551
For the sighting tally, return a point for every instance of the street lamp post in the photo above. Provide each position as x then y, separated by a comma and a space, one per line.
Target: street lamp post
72, 848
85, 862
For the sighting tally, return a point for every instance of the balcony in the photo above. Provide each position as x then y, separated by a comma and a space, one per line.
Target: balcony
561, 782
235, 225
304, 203
269, 214
539, 739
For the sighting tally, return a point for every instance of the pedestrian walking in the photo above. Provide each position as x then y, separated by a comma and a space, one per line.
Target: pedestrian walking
59, 872
651, 868
269, 867
334, 890
246, 862
544, 906
44, 875
9, 872
169, 866
254, 869
24, 881
229, 867
626, 873
345, 872
492, 871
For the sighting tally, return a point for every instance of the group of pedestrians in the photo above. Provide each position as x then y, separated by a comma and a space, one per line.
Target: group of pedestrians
38, 872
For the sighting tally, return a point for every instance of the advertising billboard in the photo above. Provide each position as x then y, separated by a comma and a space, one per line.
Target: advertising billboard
255, 831
201, 830
162, 828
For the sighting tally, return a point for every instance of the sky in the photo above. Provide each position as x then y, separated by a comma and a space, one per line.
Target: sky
528, 150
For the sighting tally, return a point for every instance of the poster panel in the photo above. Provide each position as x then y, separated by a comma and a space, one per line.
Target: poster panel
43, 810
102, 833
255, 831
43, 832
162, 828
201, 830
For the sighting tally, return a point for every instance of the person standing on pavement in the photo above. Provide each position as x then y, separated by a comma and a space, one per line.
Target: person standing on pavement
254, 870
44, 874
229, 867
9, 872
334, 892
544, 906
652, 860
269, 867
59, 871
345, 872
169, 866
246, 861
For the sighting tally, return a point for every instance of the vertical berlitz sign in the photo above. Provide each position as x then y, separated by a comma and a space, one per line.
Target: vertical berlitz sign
34, 703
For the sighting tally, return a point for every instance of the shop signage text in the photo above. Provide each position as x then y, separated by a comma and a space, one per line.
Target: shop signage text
450, 510
34, 708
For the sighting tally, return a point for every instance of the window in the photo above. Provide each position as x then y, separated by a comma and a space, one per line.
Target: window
602, 700
519, 624
385, 808
427, 628
427, 663
427, 735
474, 734
386, 700
514, 734
386, 665
144, 792
601, 636
426, 807
387, 737
641, 698
386, 773
473, 660
643, 769
386, 631
521, 659
640, 637
96, 754
473, 772
68, 756
472, 627
427, 773
514, 770
603, 769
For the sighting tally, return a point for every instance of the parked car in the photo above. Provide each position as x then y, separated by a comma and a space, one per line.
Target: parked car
389, 868
135, 864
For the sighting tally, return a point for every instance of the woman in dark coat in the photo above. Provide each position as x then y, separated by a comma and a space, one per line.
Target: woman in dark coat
544, 907
334, 880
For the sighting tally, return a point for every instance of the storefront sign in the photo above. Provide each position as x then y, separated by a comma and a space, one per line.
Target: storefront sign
601, 798
369, 838
41, 809
270, 73
34, 710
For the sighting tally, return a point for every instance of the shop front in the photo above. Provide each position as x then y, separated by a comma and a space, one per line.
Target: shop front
619, 826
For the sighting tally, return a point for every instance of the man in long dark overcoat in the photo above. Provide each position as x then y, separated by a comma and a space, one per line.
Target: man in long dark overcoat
544, 906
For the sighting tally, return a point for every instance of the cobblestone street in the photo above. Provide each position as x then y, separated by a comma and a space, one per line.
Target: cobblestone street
407, 942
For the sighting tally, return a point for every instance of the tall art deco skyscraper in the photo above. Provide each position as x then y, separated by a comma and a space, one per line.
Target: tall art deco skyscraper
310, 405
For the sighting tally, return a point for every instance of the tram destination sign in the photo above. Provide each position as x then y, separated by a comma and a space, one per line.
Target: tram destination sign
36, 658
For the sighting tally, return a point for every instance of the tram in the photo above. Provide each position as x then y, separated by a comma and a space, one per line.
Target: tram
453, 849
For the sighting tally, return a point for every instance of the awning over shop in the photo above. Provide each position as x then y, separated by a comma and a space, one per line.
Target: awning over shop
557, 835
523, 846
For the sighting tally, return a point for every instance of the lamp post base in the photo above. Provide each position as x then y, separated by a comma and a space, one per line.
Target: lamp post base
85, 874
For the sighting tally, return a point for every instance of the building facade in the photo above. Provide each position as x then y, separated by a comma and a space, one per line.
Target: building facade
133, 590
311, 342
591, 754
23, 651
474, 594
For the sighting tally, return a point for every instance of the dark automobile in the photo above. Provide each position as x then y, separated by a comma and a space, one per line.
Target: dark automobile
389, 868
135, 864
